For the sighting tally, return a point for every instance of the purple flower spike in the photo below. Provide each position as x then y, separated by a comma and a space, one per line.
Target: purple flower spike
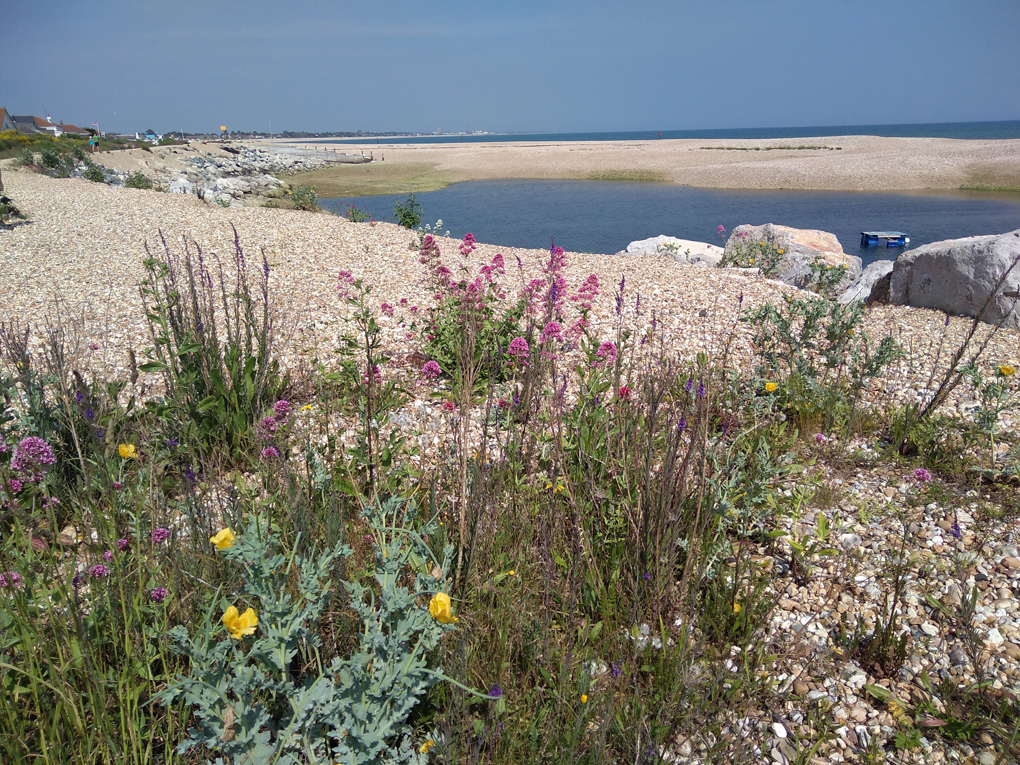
496, 692
157, 595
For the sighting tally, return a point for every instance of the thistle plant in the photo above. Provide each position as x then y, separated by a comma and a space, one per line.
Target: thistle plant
250, 702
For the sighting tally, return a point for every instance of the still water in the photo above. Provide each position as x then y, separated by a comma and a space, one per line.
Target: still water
604, 217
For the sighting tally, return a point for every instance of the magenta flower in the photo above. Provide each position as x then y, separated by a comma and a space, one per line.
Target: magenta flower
32, 457
281, 409
11, 580
266, 427
624, 393
921, 475
117, 486
160, 535
386, 309
99, 571
431, 370
157, 595
270, 453
122, 544
448, 406
519, 349
607, 353
551, 331
108, 555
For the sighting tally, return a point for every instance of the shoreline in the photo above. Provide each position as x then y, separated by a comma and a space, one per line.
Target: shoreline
838, 163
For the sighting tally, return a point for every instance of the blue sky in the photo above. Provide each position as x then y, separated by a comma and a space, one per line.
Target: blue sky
557, 65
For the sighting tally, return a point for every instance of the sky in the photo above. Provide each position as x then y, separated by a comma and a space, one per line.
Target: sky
520, 66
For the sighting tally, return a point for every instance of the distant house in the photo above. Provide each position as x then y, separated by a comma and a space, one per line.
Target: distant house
6, 121
32, 124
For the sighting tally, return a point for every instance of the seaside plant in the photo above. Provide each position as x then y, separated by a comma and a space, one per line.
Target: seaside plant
137, 180
251, 702
215, 386
815, 357
745, 253
305, 198
408, 213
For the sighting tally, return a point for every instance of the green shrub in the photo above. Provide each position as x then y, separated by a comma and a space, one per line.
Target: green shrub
50, 157
763, 255
408, 213
137, 180
94, 173
305, 198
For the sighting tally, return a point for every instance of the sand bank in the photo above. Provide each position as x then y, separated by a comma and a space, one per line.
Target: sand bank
840, 163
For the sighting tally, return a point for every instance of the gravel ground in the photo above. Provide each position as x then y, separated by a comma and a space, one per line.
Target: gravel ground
78, 261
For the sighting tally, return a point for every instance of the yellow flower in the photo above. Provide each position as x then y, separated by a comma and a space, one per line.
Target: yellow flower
1006, 370
771, 387
736, 608
224, 539
584, 698
428, 744
306, 407
127, 451
781, 252
439, 607
511, 572
243, 624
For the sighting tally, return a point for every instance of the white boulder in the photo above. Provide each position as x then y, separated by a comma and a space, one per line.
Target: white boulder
958, 276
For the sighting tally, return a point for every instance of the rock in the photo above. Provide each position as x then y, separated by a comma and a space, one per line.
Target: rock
1011, 562
929, 629
181, 186
682, 250
1012, 650
957, 657
957, 276
779, 729
995, 637
68, 537
860, 289
801, 687
801, 247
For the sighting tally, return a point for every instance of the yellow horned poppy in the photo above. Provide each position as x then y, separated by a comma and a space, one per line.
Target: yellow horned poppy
426, 745
240, 624
770, 387
439, 607
1006, 370
127, 451
224, 539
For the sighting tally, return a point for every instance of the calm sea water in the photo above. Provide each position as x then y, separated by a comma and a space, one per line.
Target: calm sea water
961, 130
604, 217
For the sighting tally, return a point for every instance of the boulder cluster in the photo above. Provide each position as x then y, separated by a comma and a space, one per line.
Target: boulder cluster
975, 276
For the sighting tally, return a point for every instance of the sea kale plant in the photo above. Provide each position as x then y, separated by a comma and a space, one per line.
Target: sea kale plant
259, 687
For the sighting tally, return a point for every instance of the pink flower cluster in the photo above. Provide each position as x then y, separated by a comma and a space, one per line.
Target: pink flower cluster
344, 282
431, 370
468, 245
519, 349
32, 457
607, 354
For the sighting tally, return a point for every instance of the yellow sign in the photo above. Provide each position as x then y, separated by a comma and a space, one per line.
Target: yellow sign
223, 127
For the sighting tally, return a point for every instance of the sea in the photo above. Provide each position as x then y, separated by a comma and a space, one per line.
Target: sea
605, 216
960, 130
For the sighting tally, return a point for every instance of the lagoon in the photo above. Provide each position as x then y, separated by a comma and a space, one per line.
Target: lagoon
604, 217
